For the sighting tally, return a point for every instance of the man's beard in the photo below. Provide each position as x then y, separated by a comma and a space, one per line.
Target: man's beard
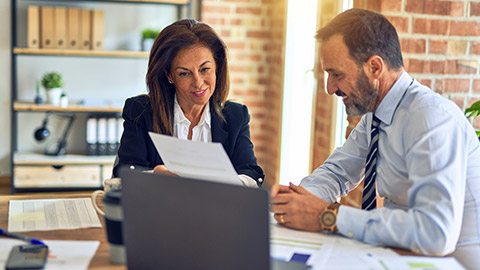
363, 100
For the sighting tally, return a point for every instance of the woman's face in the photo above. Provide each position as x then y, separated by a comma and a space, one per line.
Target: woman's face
193, 73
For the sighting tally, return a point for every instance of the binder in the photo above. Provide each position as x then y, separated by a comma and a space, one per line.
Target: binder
119, 130
111, 136
46, 27
97, 29
85, 29
73, 28
91, 130
33, 27
60, 25
102, 136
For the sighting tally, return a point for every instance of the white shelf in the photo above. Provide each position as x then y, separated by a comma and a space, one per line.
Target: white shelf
27, 158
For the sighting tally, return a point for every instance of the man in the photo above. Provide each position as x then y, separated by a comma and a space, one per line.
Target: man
422, 154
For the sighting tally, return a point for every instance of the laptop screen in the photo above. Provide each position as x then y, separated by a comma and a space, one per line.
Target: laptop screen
179, 223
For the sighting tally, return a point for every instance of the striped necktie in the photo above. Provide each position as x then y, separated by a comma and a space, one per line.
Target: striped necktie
369, 200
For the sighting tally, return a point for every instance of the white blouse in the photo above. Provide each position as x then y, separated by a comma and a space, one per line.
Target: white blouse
202, 132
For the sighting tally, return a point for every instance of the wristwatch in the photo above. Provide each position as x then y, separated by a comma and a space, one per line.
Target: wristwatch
328, 218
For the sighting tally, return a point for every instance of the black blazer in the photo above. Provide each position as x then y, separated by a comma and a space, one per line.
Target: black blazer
137, 149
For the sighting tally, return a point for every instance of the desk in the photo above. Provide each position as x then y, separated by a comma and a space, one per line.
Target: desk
101, 258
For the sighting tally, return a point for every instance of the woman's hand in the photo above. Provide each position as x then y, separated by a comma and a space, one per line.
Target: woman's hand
163, 169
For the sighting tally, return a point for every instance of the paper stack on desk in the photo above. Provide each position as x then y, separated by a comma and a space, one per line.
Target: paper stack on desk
51, 214
207, 161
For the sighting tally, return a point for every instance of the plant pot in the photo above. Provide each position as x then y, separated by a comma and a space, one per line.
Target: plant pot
53, 96
147, 44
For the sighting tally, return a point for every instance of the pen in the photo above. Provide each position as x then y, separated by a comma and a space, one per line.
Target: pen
21, 237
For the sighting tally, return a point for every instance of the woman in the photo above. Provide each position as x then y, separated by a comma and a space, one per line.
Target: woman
188, 86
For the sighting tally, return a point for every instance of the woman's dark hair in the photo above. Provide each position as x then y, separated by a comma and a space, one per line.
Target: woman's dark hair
365, 33
179, 35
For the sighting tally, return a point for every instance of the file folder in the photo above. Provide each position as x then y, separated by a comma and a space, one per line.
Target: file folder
60, 33
111, 136
85, 20
91, 129
97, 29
46, 27
73, 28
33, 27
102, 136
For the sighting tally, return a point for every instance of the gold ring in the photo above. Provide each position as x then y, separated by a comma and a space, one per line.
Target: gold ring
282, 220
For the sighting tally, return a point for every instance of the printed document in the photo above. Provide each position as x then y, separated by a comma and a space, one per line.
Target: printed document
207, 161
72, 255
52, 214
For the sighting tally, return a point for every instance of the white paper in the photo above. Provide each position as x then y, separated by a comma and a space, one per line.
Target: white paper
417, 262
207, 161
52, 214
72, 255
326, 251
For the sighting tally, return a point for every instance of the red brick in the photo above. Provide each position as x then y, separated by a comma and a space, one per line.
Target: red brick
457, 85
430, 26
213, 21
474, 9
459, 67
257, 34
235, 21
463, 28
248, 10
459, 101
414, 65
236, 45
438, 46
426, 82
412, 45
435, 7
391, 5
475, 49
225, 33
400, 23
208, 9
476, 86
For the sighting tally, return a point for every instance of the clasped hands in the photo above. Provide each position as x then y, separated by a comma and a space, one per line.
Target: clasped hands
296, 208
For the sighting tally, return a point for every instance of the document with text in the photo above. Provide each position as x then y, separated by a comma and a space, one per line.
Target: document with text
51, 214
207, 161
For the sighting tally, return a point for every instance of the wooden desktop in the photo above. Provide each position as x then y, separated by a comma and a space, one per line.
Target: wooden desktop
101, 259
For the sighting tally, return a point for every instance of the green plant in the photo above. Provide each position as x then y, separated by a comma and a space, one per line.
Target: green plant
472, 112
52, 80
150, 33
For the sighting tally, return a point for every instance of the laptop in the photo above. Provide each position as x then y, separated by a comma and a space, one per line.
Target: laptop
173, 222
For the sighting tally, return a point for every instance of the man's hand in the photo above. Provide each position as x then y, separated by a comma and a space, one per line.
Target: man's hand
163, 169
296, 208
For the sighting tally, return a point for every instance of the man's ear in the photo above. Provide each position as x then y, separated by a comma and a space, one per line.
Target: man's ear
375, 66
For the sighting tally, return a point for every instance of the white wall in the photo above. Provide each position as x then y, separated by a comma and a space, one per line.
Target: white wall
5, 87
110, 79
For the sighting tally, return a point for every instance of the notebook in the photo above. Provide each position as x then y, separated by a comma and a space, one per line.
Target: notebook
174, 222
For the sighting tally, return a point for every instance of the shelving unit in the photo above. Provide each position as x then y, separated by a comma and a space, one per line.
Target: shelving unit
32, 170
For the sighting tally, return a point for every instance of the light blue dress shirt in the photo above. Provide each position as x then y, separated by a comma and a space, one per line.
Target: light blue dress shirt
428, 171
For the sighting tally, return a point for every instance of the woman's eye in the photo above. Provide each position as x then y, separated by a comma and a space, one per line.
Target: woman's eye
205, 69
183, 74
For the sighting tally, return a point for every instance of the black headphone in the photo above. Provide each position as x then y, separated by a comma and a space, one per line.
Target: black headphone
42, 132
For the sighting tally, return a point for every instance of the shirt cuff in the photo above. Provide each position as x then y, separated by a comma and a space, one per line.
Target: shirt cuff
351, 222
248, 181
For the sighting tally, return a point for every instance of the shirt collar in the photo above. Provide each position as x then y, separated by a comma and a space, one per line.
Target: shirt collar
179, 117
387, 107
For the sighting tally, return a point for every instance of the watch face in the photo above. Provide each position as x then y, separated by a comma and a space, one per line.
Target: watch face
328, 218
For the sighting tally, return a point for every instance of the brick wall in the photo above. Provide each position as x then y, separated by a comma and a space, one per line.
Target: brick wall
254, 33
440, 42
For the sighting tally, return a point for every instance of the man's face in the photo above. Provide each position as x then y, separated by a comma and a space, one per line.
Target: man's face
345, 78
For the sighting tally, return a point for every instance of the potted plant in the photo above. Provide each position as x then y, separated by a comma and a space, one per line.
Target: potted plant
472, 112
52, 82
148, 37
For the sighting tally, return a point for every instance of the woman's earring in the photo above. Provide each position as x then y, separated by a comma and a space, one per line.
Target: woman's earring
170, 81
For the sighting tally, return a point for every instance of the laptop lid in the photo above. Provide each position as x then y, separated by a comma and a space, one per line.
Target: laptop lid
179, 223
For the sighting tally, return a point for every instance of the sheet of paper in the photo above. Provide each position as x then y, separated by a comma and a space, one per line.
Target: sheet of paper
52, 214
322, 250
417, 262
207, 161
73, 255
